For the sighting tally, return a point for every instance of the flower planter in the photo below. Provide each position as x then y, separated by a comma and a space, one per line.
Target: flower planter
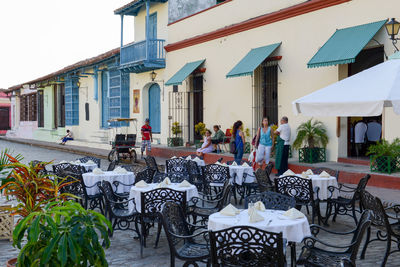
12, 262
175, 141
384, 164
312, 155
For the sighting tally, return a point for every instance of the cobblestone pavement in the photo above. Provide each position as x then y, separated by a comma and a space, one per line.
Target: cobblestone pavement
125, 250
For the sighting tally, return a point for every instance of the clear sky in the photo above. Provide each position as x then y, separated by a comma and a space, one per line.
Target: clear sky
38, 37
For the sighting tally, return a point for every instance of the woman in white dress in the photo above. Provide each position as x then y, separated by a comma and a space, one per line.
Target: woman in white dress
207, 145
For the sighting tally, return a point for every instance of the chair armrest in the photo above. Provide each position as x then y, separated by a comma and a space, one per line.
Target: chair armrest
195, 200
91, 186
316, 228
189, 236
316, 191
348, 187
117, 183
310, 242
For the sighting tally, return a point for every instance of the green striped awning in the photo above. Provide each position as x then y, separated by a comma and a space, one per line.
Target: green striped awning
345, 45
184, 72
252, 60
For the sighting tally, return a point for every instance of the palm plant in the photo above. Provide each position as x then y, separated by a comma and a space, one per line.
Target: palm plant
5, 170
311, 134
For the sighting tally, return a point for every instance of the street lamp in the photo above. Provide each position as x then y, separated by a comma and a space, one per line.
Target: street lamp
153, 76
392, 29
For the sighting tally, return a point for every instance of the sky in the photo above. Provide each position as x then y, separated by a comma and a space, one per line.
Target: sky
38, 37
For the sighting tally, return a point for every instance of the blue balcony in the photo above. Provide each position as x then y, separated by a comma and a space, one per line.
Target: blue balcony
143, 56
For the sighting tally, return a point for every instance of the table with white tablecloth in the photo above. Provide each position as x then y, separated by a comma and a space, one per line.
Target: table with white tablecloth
91, 179
89, 166
323, 183
135, 193
293, 230
237, 174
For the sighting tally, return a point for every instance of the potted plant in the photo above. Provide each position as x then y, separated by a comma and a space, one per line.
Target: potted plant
62, 234
5, 169
176, 130
200, 130
385, 156
311, 141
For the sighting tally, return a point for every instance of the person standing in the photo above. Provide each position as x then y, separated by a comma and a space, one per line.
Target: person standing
147, 137
238, 135
67, 137
282, 146
264, 142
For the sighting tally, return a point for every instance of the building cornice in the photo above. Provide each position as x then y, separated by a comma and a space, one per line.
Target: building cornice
259, 21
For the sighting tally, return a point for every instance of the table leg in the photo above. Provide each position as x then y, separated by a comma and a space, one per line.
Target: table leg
292, 253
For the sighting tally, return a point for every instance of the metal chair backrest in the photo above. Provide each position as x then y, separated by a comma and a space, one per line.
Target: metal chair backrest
225, 196
362, 226
151, 163
58, 168
215, 173
299, 188
152, 201
246, 246
269, 168
379, 217
108, 194
174, 222
112, 165
145, 175
177, 165
362, 184
271, 200
263, 179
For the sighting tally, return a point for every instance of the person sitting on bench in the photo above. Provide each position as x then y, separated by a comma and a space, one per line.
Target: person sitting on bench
218, 137
68, 136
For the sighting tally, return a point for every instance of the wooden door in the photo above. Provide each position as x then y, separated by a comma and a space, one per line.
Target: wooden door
154, 108
198, 104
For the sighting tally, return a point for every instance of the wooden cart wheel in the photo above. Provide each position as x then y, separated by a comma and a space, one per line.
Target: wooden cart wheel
113, 155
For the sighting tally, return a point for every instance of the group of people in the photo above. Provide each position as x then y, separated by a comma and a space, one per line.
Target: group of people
264, 143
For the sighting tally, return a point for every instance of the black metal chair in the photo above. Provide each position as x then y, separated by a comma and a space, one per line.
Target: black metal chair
269, 168
214, 175
177, 169
116, 209
112, 165
271, 200
331, 172
59, 168
206, 205
302, 190
72, 185
151, 205
386, 231
181, 239
94, 159
129, 168
264, 181
312, 255
91, 201
158, 169
195, 176
345, 200
246, 246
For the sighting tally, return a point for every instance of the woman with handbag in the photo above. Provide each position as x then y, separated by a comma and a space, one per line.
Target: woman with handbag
264, 142
239, 139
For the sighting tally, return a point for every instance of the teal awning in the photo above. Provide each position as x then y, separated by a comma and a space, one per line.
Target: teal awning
345, 45
184, 72
252, 60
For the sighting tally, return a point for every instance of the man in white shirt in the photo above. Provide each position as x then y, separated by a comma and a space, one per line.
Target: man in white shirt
282, 148
68, 136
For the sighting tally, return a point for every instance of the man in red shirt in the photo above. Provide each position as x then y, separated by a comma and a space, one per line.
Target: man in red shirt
147, 137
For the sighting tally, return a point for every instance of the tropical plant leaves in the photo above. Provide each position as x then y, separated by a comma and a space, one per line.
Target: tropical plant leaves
311, 134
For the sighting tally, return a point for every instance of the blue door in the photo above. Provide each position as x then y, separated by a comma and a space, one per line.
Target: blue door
104, 100
154, 108
152, 43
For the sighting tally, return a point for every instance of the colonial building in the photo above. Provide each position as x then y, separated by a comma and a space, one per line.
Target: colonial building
5, 112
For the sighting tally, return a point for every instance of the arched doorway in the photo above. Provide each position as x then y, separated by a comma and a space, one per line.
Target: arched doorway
154, 108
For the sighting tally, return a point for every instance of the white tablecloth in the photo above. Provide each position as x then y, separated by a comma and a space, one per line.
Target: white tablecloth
90, 179
292, 230
200, 162
89, 166
323, 184
239, 171
135, 192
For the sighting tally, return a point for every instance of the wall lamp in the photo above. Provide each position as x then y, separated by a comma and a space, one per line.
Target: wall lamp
392, 29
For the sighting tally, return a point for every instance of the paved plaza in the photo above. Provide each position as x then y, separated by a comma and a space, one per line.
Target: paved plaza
125, 250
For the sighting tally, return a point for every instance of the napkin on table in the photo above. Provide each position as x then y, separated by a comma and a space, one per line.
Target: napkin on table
185, 183
98, 171
229, 210
188, 158
167, 181
234, 163
141, 183
309, 172
63, 161
90, 162
72, 162
120, 170
245, 164
259, 206
293, 214
162, 185
78, 161
289, 172
173, 157
254, 216
324, 174
196, 159
304, 175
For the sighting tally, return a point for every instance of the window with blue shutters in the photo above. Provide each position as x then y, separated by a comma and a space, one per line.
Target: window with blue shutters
118, 96
71, 101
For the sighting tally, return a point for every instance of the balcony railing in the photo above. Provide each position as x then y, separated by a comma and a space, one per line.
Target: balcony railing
147, 51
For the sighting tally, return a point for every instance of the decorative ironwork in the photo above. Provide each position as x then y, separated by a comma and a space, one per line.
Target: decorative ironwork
312, 255
58, 168
312, 155
112, 165
246, 246
180, 238
272, 200
385, 164
195, 176
177, 170
215, 173
264, 180
94, 159
145, 175
152, 164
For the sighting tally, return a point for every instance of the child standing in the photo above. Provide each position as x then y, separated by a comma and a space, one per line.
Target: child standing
147, 137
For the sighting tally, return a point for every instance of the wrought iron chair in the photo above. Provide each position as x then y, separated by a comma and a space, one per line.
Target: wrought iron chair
215, 176
94, 159
206, 205
112, 165
269, 168
151, 205
331, 172
264, 181
181, 239
116, 209
271, 200
345, 205
195, 176
312, 255
302, 190
246, 246
158, 169
91, 201
177, 169
129, 168
386, 231
59, 168
73, 185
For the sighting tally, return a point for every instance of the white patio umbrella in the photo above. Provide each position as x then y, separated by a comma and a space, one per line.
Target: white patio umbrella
363, 94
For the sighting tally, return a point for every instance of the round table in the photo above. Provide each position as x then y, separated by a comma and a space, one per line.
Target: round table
323, 183
135, 193
237, 174
274, 221
91, 179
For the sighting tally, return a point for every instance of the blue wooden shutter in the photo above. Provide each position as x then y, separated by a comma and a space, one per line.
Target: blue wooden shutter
125, 96
71, 102
115, 96
104, 100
